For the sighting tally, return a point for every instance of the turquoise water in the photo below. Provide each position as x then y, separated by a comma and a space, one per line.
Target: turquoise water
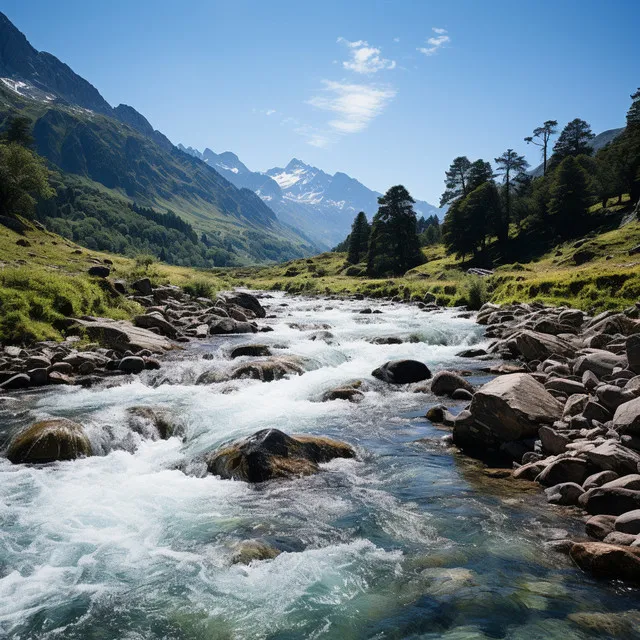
411, 540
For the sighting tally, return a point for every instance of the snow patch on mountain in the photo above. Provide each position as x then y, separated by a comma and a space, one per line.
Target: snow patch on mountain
27, 90
319, 204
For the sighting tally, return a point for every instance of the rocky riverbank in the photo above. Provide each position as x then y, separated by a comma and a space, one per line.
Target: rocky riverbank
569, 419
119, 347
563, 409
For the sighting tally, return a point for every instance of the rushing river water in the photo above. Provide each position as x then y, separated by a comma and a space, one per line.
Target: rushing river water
410, 540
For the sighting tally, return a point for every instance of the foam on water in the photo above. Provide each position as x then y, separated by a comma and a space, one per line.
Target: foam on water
127, 545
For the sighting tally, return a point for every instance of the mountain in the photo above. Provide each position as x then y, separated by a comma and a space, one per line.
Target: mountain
81, 135
321, 205
600, 141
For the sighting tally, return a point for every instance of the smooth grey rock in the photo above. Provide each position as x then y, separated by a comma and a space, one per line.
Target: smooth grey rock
598, 479
564, 470
612, 456
446, 382
565, 493
514, 406
629, 522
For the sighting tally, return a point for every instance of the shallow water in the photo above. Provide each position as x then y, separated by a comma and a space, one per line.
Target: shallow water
411, 540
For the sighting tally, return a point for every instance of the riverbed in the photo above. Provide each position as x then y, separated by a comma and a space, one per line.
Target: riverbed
408, 540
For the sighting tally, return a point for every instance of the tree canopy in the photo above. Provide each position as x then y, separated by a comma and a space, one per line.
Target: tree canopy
359, 239
394, 247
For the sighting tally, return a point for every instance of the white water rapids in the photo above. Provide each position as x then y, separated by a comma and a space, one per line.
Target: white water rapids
402, 542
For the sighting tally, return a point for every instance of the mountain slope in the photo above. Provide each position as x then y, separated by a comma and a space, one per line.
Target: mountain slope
80, 134
320, 204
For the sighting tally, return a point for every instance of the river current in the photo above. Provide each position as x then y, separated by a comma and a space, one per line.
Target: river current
409, 540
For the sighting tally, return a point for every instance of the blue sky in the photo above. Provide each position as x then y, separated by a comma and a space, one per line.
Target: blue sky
386, 91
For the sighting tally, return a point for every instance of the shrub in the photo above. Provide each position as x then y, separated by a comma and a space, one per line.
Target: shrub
476, 293
199, 288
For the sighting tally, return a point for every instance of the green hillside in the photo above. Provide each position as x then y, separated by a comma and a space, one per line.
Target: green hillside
94, 153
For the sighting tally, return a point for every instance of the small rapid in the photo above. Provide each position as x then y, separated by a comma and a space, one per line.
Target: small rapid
408, 540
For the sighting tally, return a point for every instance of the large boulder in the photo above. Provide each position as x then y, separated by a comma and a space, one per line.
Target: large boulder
254, 350
514, 406
613, 502
402, 371
533, 345
607, 560
270, 454
565, 493
629, 522
599, 527
244, 300
599, 362
229, 325
564, 470
142, 286
156, 321
121, 335
613, 456
444, 383
49, 441
626, 420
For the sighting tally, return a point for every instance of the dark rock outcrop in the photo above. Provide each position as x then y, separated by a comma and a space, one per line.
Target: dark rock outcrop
271, 454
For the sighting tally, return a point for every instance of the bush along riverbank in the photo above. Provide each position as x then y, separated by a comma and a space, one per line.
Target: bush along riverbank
567, 417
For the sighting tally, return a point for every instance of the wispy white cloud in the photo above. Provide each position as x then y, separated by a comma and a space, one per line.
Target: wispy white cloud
365, 58
355, 105
315, 137
435, 42
396, 39
269, 112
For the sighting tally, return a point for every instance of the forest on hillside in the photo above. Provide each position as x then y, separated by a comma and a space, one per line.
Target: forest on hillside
500, 213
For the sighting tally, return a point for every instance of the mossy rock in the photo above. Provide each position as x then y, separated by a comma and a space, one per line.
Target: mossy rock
270, 454
49, 441
160, 420
267, 370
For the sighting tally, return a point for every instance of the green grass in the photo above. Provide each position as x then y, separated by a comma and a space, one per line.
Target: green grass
46, 281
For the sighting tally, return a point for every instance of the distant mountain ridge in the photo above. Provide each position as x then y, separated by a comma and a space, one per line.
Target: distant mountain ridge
81, 134
320, 204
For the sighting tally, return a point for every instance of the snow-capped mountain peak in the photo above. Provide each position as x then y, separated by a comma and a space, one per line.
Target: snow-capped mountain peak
321, 205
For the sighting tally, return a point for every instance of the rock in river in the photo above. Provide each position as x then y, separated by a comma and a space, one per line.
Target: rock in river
608, 560
514, 406
446, 382
270, 454
49, 441
402, 372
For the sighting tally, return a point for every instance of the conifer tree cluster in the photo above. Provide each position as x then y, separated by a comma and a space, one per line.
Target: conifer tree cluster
554, 205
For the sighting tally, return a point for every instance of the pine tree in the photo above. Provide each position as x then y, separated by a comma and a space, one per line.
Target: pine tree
456, 180
479, 173
569, 198
543, 135
19, 132
509, 164
359, 239
470, 220
633, 115
574, 140
394, 246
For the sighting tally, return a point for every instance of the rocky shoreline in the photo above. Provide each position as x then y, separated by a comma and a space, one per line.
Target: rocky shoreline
120, 347
568, 420
563, 409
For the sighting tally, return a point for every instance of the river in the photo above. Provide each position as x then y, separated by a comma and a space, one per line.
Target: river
409, 540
